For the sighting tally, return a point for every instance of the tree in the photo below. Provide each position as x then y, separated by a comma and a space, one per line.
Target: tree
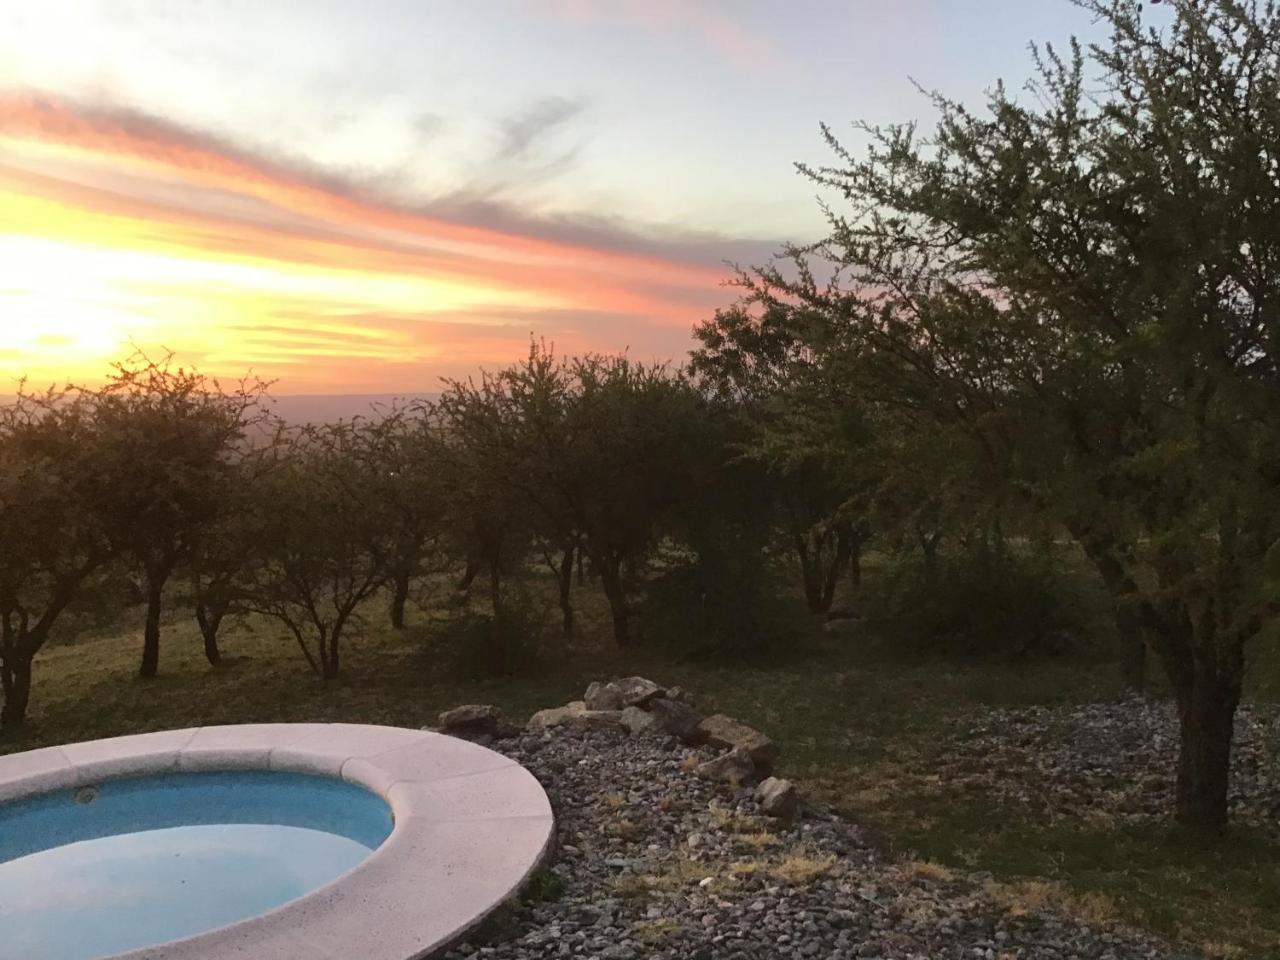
50, 502
515, 422
407, 445
820, 454
631, 426
328, 535
1087, 287
224, 551
586, 451
489, 522
170, 440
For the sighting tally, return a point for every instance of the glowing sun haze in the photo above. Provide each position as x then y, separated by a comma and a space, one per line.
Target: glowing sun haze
363, 198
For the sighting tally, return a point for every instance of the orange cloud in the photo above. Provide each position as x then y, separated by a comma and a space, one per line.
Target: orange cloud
117, 228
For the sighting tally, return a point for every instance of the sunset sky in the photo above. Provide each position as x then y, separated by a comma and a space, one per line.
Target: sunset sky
363, 197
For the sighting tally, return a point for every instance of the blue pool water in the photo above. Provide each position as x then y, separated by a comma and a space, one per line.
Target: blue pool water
94, 872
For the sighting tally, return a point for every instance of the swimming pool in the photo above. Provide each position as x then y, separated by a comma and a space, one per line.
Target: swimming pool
100, 870
261, 842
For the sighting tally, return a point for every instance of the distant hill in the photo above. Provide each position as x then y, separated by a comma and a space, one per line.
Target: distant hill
327, 408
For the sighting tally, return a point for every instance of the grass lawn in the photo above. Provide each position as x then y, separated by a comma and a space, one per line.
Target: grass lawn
857, 726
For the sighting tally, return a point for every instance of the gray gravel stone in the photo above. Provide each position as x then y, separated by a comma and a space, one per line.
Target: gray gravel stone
1116, 756
634, 882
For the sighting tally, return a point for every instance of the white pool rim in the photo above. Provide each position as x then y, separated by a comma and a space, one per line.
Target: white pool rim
470, 827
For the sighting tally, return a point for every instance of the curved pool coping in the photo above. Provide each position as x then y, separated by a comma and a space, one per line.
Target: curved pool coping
470, 827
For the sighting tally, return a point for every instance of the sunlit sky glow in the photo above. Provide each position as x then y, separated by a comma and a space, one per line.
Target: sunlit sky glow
354, 198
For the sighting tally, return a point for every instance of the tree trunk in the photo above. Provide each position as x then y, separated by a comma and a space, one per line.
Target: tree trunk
19, 644
811, 574
1133, 649
844, 549
1206, 716
473, 569
495, 587
15, 673
1105, 552
565, 576
329, 650
209, 617
151, 631
331, 663
399, 597
1205, 669
929, 548
820, 573
855, 564
611, 580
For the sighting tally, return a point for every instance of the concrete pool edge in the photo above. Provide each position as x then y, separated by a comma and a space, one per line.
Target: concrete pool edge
471, 826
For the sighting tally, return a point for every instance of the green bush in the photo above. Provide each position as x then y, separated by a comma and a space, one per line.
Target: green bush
545, 886
722, 602
986, 602
498, 644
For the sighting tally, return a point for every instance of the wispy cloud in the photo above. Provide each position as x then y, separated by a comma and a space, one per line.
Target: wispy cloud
719, 26
429, 125
522, 131
119, 226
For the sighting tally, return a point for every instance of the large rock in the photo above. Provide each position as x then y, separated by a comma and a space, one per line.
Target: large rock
636, 691
722, 731
576, 714
734, 767
680, 694
778, 798
603, 696
638, 721
473, 720
676, 718
554, 716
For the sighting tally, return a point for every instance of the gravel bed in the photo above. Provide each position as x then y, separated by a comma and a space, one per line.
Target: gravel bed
1108, 761
654, 862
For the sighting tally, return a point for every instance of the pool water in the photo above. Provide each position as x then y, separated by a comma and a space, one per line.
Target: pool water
97, 871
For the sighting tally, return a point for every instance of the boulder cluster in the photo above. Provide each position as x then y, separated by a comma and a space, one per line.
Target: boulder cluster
642, 708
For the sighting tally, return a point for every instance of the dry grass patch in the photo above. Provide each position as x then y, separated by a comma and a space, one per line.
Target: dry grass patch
1222, 951
624, 829
801, 869
673, 875
926, 870
756, 842
633, 886
1020, 898
654, 931
733, 822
